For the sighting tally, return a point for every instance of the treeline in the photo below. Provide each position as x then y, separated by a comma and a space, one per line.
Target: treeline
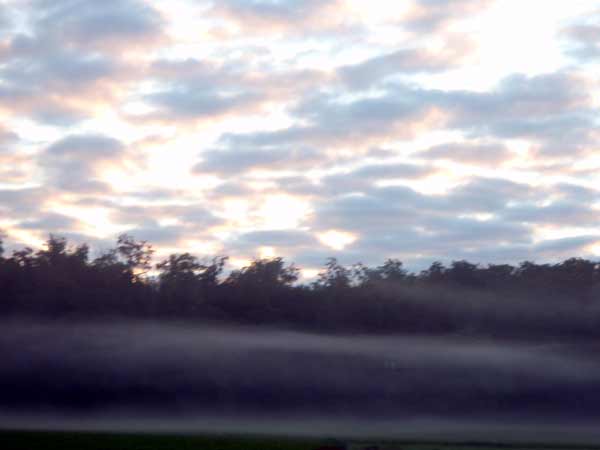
62, 281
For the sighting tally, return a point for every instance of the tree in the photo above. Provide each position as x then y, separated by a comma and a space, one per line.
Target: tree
210, 274
334, 276
435, 273
498, 275
464, 273
266, 273
23, 258
136, 255
365, 276
180, 268
575, 276
393, 270
180, 283
256, 292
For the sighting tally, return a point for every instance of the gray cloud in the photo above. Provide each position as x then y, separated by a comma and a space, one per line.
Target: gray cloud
288, 17
399, 221
204, 89
558, 213
285, 11
235, 161
404, 62
161, 235
543, 107
187, 102
489, 195
435, 15
193, 217
105, 25
364, 177
72, 162
575, 192
288, 242
23, 203
5, 19
45, 86
551, 109
92, 147
68, 59
50, 223
473, 153
7, 139
584, 38
331, 123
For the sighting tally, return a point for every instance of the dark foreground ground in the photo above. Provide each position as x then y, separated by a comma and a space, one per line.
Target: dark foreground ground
27, 440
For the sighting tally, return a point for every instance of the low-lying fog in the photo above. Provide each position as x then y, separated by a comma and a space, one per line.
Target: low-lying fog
200, 378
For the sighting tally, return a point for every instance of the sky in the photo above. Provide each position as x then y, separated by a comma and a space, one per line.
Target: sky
420, 129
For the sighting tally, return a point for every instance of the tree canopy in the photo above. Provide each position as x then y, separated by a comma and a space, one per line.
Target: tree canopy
62, 280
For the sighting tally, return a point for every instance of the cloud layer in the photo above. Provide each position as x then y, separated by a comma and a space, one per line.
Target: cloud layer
307, 128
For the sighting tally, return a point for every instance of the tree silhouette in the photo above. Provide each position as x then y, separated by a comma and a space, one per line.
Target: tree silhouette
60, 281
334, 276
180, 282
137, 256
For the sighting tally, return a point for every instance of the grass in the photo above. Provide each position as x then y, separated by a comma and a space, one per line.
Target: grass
26, 440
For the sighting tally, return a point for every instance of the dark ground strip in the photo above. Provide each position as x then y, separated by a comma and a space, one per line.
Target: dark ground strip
28, 440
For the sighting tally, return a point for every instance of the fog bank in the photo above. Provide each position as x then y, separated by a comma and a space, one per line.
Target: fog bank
136, 376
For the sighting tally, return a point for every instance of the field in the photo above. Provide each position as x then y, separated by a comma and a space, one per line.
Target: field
21, 440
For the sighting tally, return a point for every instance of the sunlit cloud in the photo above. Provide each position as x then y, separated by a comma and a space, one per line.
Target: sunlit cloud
281, 212
337, 240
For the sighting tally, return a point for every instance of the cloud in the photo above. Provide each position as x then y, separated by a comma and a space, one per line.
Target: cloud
364, 177
73, 57
397, 221
550, 109
196, 217
471, 153
169, 235
264, 17
208, 90
405, 62
185, 102
290, 242
528, 100
7, 139
558, 213
58, 87
106, 25
231, 161
489, 195
16, 167
51, 223
575, 192
584, 38
331, 124
23, 203
73, 163
5, 19
428, 16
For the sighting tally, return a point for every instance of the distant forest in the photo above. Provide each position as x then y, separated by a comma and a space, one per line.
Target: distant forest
528, 300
